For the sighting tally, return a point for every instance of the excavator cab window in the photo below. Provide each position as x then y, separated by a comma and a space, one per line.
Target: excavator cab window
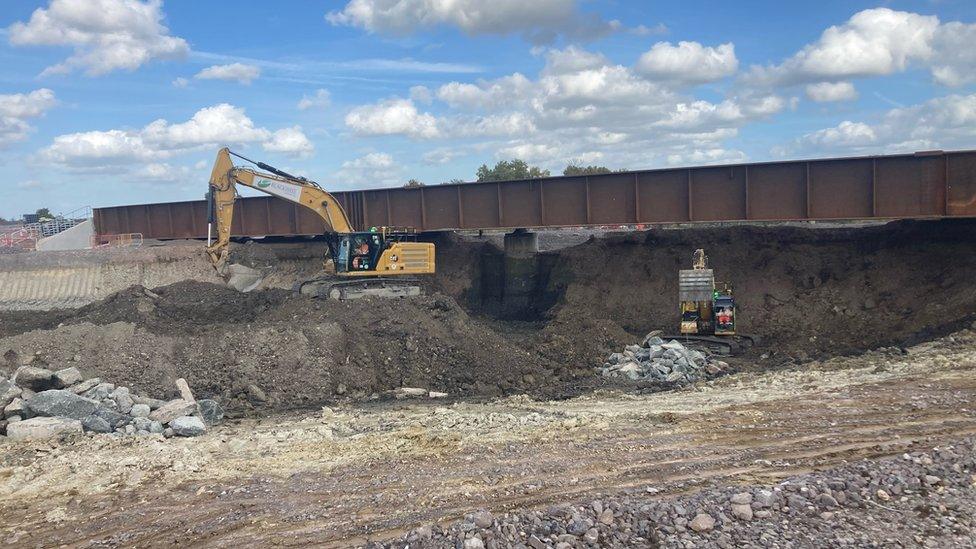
358, 252
362, 253
342, 256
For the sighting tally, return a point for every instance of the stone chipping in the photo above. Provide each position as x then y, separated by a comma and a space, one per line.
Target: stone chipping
917, 499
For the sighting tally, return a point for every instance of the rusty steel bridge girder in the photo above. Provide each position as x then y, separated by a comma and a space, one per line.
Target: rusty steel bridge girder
922, 185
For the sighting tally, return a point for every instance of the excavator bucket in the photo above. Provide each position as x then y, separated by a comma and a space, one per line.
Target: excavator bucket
241, 277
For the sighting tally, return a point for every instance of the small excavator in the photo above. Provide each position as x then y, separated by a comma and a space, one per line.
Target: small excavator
380, 262
706, 309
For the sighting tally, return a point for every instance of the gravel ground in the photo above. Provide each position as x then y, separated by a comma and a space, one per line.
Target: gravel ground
352, 475
917, 499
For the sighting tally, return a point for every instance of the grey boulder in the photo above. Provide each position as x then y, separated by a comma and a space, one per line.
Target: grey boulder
153, 403
84, 386
210, 411
34, 378
172, 410
8, 392
188, 426
140, 410
115, 419
97, 424
100, 391
66, 378
15, 408
42, 427
60, 403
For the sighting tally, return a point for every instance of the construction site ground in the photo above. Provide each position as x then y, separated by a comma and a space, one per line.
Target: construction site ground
346, 475
868, 351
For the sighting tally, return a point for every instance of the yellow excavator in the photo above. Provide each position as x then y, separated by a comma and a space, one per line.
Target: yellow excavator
706, 308
379, 262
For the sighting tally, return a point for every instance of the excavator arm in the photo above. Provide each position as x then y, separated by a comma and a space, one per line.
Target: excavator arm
223, 193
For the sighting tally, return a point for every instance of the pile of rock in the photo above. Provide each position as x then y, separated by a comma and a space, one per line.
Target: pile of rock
40, 403
660, 361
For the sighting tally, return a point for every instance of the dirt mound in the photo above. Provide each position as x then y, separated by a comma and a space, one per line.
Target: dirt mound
807, 292
276, 350
179, 308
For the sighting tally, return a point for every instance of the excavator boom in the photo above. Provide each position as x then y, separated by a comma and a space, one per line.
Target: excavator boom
223, 188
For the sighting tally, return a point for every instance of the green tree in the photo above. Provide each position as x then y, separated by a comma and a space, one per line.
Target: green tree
574, 169
510, 169
44, 212
454, 181
413, 183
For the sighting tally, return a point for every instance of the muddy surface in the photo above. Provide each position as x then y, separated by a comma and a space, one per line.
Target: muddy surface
344, 476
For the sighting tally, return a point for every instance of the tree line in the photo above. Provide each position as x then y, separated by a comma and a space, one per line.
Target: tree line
506, 170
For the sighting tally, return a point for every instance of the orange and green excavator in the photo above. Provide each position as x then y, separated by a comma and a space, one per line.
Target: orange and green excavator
379, 262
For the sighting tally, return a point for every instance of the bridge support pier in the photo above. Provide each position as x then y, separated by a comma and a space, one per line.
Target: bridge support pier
521, 268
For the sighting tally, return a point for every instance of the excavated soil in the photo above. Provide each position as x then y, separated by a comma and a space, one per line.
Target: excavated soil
808, 293
299, 352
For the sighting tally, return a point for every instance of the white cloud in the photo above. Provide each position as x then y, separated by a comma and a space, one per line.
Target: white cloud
180, 82
540, 21
392, 116
373, 169
644, 30
290, 141
239, 72
221, 123
573, 59
580, 105
162, 172
320, 100
486, 94
878, 42
106, 35
688, 62
30, 184
97, 149
27, 105
118, 150
942, 122
955, 61
845, 135
823, 92
421, 94
491, 125
707, 156
442, 155
16, 109
530, 152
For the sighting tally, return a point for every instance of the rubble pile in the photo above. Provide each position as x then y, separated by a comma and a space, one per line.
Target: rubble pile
660, 361
39, 403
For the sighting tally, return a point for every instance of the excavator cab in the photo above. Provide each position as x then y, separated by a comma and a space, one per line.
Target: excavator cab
724, 314
380, 250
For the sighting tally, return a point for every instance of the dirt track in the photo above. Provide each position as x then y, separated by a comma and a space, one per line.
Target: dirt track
341, 477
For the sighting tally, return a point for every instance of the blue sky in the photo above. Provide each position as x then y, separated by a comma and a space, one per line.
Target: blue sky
106, 102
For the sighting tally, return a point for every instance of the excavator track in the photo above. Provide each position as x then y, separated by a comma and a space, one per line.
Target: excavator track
345, 289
